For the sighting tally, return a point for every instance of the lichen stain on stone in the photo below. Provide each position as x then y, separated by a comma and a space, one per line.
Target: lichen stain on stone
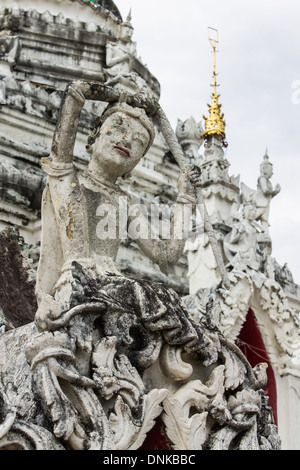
69, 227
58, 201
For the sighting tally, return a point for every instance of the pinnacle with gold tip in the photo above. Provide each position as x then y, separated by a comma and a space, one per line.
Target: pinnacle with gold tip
214, 123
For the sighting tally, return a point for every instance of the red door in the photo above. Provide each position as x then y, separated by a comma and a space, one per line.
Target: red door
251, 344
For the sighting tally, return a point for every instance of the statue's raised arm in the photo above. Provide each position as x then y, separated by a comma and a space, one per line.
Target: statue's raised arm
66, 128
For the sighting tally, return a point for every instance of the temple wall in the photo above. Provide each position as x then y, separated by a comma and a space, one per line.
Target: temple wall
288, 387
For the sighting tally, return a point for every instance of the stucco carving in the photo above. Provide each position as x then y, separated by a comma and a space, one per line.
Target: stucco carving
254, 290
9, 50
107, 368
257, 281
120, 55
120, 58
189, 134
261, 197
106, 354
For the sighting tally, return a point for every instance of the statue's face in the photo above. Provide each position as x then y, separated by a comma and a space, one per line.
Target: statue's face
268, 171
250, 212
126, 34
120, 145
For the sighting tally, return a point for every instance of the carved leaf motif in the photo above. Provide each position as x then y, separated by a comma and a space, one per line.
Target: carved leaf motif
222, 439
8, 414
63, 415
184, 434
249, 440
129, 435
97, 435
172, 364
190, 432
131, 387
121, 424
103, 367
235, 370
27, 436
152, 409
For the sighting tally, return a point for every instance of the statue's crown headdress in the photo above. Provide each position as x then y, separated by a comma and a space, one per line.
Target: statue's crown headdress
128, 23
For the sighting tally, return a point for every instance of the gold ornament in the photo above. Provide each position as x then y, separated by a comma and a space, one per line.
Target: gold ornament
214, 123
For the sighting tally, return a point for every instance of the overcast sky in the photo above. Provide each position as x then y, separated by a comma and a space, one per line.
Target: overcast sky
259, 75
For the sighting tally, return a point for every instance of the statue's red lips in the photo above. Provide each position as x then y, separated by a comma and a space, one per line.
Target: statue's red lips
122, 150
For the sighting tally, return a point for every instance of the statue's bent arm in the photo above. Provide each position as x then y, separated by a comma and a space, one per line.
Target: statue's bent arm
66, 128
114, 59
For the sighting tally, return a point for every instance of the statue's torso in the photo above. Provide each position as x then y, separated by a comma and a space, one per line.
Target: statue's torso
88, 215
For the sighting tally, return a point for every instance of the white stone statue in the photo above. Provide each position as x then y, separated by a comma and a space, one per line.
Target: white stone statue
240, 245
189, 134
107, 355
265, 192
262, 196
74, 201
120, 56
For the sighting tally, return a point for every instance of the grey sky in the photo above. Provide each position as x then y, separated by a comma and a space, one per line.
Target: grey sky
258, 66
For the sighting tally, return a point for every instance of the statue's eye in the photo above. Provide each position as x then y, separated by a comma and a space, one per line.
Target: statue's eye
120, 129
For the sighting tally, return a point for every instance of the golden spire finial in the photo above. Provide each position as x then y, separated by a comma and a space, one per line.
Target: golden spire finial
214, 123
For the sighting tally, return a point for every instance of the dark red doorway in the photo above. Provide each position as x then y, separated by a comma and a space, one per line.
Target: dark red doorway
155, 439
251, 343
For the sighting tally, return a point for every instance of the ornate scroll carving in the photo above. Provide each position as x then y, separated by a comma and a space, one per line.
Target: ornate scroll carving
104, 373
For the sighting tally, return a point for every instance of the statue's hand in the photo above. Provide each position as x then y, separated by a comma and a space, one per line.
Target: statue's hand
144, 100
277, 189
188, 180
48, 309
79, 89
